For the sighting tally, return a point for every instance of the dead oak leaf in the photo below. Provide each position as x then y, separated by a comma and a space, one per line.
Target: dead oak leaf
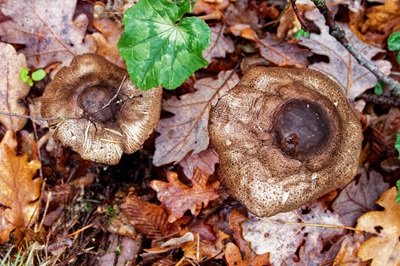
12, 89
47, 30
384, 248
204, 160
220, 45
178, 198
342, 66
233, 257
187, 130
19, 192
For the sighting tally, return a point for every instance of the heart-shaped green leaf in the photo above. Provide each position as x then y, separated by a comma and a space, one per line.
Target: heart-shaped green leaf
159, 46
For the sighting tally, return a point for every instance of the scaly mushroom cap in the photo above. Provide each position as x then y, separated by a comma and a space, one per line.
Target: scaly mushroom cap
284, 137
103, 113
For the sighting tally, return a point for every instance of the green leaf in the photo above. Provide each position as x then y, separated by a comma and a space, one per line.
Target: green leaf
394, 41
378, 89
38, 75
23, 74
159, 46
397, 144
398, 191
301, 34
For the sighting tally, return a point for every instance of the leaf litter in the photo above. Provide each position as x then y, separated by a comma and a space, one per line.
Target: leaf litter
169, 208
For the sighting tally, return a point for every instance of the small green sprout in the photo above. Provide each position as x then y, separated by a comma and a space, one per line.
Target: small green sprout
301, 34
393, 43
28, 78
378, 89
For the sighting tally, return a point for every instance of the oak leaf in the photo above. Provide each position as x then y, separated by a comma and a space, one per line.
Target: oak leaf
47, 30
384, 248
178, 198
19, 192
220, 45
210, 6
204, 160
187, 130
359, 196
342, 66
147, 218
12, 89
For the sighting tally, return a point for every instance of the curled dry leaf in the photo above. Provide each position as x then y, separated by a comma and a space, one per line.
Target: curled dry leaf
12, 89
48, 32
220, 45
386, 227
359, 196
19, 190
178, 198
342, 66
107, 39
204, 160
210, 6
187, 130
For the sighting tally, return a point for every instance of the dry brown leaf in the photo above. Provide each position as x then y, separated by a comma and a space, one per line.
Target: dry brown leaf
204, 160
19, 192
107, 39
46, 29
279, 52
219, 45
282, 235
384, 248
209, 7
233, 257
375, 24
347, 255
147, 218
12, 89
359, 196
282, 53
178, 198
187, 130
342, 66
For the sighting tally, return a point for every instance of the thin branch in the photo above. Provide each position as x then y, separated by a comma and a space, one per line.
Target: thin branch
339, 35
302, 21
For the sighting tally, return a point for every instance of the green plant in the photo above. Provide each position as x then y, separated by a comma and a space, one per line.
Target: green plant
29, 78
393, 43
378, 89
301, 34
160, 46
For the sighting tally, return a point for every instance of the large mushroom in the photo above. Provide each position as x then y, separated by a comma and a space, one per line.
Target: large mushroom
102, 113
284, 137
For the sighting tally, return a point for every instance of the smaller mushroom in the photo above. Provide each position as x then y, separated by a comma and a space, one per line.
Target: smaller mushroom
284, 137
104, 114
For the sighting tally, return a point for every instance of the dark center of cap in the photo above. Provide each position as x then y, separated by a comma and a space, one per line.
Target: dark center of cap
98, 103
301, 129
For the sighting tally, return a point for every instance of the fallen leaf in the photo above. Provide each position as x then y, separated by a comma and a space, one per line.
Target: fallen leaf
19, 192
374, 25
282, 53
220, 45
178, 198
12, 89
209, 7
187, 130
384, 247
107, 39
282, 235
204, 160
47, 31
342, 66
147, 218
347, 254
359, 196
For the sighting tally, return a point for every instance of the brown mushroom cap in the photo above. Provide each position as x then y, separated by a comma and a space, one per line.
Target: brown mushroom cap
284, 137
109, 114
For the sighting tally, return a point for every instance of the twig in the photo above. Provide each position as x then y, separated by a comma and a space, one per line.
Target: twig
380, 100
302, 21
339, 35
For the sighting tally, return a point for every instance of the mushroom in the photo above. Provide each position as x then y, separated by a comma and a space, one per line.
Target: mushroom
102, 113
284, 137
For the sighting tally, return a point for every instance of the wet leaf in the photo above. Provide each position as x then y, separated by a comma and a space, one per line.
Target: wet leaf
187, 130
178, 198
204, 160
159, 46
342, 66
220, 45
12, 89
48, 31
384, 247
19, 190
